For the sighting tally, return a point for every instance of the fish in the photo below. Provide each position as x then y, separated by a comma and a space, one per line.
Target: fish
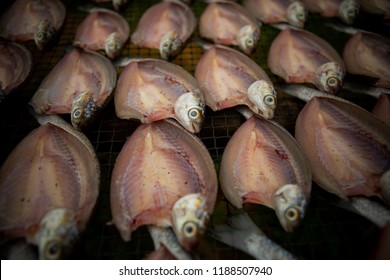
378, 7
80, 84
15, 66
270, 11
38, 20
153, 89
348, 147
263, 164
164, 178
228, 23
299, 56
165, 26
345, 10
230, 78
117, 4
103, 29
367, 54
49, 185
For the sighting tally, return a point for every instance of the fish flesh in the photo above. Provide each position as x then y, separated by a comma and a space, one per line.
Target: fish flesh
379, 7
164, 178
15, 66
103, 29
38, 20
81, 83
229, 23
49, 186
153, 89
277, 11
117, 4
346, 10
367, 54
299, 56
263, 164
230, 78
165, 26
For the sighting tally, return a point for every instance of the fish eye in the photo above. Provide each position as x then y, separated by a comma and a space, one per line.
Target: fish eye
300, 16
194, 113
332, 82
77, 113
190, 229
292, 214
39, 36
269, 100
53, 250
166, 45
250, 42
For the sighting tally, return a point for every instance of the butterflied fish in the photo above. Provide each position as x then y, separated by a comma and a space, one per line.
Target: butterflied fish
154, 89
38, 20
228, 23
367, 54
103, 29
164, 178
348, 148
346, 10
299, 56
379, 7
230, 78
49, 185
15, 66
165, 26
81, 83
270, 11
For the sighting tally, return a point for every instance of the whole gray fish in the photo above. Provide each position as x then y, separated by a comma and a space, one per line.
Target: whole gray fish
15, 66
81, 83
49, 186
164, 178
38, 20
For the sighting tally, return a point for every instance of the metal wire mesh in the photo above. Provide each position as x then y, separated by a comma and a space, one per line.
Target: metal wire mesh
327, 232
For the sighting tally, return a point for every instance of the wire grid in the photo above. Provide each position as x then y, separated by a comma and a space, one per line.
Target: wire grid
327, 232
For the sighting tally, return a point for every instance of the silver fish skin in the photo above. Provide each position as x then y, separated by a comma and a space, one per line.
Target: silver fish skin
230, 78
80, 84
299, 56
154, 89
49, 186
228, 23
160, 166
103, 29
38, 20
15, 66
165, 26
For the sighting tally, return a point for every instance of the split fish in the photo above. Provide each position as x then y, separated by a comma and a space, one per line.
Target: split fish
49, 186
228, 23
276, 11
15, 66
165, 26
81, 83
38, 20
154, 89
230, 78
103, 29
164, 178
346, 10
299, 56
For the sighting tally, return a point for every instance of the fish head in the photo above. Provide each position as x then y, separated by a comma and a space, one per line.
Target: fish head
57, 234
263, 95
119, 4
348, 10
329, 77
290, 206
247, 38
190, 217
83, 109
189, 110
44, 34
297, 14
170, 45
113, 44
